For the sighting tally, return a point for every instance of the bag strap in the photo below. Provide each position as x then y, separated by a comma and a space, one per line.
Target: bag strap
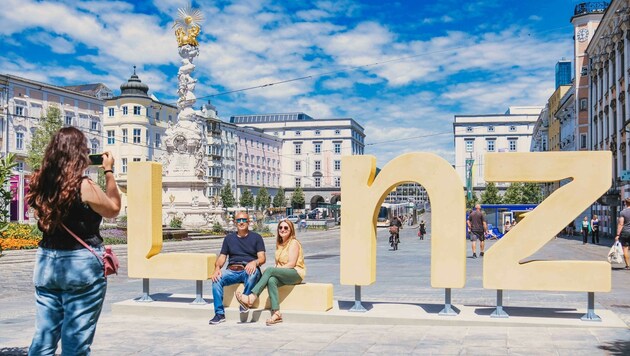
82, 242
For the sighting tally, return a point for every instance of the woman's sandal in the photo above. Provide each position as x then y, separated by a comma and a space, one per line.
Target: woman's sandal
245, 305
276, 318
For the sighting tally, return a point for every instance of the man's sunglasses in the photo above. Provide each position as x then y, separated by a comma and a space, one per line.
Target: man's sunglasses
241, 220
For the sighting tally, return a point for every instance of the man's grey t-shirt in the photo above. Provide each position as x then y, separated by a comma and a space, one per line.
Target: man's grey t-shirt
477, 219
625, 214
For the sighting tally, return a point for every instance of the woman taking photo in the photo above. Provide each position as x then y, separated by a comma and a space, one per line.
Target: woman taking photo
69, 280
289, 269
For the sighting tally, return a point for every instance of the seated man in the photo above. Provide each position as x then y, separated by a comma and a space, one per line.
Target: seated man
245, 252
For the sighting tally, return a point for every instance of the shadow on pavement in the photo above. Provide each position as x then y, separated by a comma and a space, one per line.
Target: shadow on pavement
13, 351
617, 347
538, 312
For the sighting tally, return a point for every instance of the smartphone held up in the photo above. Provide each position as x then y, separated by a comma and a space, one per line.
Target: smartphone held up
96, 159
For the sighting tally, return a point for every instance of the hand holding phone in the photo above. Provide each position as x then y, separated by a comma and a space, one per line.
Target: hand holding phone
96, 159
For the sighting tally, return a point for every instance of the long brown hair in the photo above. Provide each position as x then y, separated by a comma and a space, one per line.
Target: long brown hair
55, 185
291, 231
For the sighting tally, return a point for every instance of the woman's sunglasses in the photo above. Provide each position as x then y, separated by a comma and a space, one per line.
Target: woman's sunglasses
283, 227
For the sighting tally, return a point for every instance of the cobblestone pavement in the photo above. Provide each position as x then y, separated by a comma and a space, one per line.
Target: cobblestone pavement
402, 277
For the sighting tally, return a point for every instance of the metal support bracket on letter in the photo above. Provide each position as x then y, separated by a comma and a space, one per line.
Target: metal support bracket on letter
499, 312
448, 310
590, 309
145, 292
199, 298
358, 307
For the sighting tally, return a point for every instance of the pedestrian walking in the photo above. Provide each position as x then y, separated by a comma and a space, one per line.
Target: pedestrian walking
595, 230
478, 226
623, 232
585, 229
422, 230
70, 282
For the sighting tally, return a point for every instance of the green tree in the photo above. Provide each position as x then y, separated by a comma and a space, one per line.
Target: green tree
532, 193
491, 194
297, 198
263, 199
470, 203
247, 199
279, 200
47, 126
6, 165
227, 197
523, 193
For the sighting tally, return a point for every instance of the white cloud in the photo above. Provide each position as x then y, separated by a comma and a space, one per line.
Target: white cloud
57, 44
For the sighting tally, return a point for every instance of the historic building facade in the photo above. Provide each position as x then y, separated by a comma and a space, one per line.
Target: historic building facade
476, 135
608, 107
311, 151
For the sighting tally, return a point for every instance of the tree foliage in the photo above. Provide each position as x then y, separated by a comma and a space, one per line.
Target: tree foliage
491, 194
297, 198
470, 203
226, 196
523, 193
263, 199
247, 199
47, 126
279, 201
6, 165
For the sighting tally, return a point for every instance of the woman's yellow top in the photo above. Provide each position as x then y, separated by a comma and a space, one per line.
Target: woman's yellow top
282, 257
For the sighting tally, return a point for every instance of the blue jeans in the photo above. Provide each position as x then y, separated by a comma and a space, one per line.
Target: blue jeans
70, 289
228, 278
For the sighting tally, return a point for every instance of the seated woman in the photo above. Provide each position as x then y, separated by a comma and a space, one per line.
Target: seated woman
289, 269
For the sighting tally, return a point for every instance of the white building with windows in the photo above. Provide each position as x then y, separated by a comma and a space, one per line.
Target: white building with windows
311, 151
476, 135
24, 101
134, 125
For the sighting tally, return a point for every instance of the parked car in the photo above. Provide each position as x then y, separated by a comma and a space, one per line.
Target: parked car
293, 218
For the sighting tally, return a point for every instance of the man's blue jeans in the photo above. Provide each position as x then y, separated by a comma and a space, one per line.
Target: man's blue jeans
230, 277
70, 289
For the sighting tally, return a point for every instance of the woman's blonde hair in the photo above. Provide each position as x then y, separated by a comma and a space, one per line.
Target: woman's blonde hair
291, 231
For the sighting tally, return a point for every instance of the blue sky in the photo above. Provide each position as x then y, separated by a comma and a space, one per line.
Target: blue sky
442, 57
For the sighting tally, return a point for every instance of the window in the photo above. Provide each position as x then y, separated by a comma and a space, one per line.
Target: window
337, 147
337, 165
317, 133
110, 112
318, 165
124, 165
512, 128
136, 159
20, 166
19, 111
490, 145
318, 147
68, 119
111, 139
298, 148
257, 177
337, 132
157, 116
125, 110
158, 140
583, 104
298, 182
337, 182
298, 133
136, 110
512, 144
136, 135
94, 125
490, 128
19, 140
582, 141
318, 182
469, 129
298, 166
469, 145
94, 148
124, 135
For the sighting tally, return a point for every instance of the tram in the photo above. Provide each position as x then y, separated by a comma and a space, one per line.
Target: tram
388, 211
